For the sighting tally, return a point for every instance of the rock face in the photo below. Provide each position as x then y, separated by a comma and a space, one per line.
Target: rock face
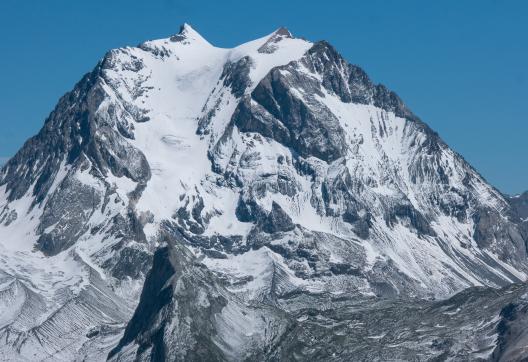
520, 204
201, 319
245, 203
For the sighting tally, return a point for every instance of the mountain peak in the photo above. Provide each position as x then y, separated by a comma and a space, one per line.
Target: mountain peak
270, 45
282, 31
186, 28
188, 34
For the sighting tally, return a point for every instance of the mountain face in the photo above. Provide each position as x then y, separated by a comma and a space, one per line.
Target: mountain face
265, 202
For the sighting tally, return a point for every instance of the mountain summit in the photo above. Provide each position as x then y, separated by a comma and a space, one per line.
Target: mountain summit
190, 202
187, 33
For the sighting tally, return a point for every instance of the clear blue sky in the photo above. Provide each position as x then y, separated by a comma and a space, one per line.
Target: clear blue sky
460, 65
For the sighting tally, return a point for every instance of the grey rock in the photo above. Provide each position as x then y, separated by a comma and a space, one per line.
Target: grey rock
67, 211
272, 110
186, 315
520, 204
277, 220
236, 76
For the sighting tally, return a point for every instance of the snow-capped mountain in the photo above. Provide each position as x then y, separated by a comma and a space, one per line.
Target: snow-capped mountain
185, 201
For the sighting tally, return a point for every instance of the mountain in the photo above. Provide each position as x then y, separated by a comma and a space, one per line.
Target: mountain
268, 201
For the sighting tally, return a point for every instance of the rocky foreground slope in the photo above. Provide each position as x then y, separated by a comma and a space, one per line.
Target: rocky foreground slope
265, 202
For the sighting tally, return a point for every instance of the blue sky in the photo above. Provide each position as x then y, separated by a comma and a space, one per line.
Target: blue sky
460, 65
